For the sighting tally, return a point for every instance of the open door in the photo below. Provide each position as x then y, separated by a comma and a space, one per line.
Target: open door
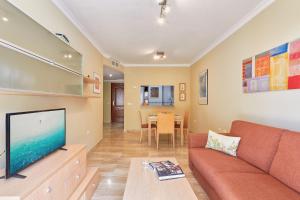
117, 102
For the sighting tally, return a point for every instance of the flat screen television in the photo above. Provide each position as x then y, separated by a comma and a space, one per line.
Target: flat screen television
30, 136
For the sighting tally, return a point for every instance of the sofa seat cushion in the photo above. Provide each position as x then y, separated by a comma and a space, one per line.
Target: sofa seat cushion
258, 143
286, 164
249, 186
210, 162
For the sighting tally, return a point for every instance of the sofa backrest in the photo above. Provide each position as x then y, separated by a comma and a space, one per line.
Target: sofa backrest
286, 163
258, 143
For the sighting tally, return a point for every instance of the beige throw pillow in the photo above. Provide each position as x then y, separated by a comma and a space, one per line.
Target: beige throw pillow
222, 143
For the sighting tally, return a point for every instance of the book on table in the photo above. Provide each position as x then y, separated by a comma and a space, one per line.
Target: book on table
167, 170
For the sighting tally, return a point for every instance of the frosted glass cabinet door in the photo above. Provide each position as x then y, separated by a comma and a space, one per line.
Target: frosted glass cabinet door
19, 71
23, 31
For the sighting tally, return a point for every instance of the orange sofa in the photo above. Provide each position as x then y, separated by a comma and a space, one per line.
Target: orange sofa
267, 166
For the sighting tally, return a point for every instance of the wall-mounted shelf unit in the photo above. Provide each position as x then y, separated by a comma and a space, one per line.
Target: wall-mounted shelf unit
4, 91
33, 61
89, 80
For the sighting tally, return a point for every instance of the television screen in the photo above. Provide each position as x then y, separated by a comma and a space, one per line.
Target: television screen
161, 95
30, 136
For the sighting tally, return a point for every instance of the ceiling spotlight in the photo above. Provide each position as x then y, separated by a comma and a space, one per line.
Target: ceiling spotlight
167, 9
68, 56
5, 19
156, 57
159, 55
161, 20
110, 75
164, 10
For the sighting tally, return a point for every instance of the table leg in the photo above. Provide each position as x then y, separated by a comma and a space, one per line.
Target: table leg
149, 133
181, 132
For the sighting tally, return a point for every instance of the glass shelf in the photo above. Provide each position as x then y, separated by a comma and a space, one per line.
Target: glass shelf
22, 72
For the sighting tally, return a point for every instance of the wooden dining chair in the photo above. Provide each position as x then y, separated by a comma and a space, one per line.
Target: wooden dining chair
165, 125
185, 124
144, 127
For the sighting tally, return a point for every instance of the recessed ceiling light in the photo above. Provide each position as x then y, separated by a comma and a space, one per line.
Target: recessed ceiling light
5, 19
110, 75
161, 20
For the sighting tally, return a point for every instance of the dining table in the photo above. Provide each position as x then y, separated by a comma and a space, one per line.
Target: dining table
153, 119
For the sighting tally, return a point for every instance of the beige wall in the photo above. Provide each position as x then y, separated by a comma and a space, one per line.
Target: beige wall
278, 24
135, 77
107, 102
84, 116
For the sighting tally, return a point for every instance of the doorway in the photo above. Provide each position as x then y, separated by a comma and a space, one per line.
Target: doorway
117, 102
113, 97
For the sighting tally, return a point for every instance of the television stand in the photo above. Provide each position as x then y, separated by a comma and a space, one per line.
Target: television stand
53, 173
63, 149
19, 176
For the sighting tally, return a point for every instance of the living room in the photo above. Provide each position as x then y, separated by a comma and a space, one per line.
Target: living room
230, 68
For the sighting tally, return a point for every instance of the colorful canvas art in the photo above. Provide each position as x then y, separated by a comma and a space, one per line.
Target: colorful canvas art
247, 68
247, 73
294, 65
276, 69
279, 61
262, 64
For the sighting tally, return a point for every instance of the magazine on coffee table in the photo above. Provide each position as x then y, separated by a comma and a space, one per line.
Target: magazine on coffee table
167, 170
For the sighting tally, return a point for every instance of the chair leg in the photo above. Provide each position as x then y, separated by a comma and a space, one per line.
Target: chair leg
141, 136
157, 141
173, 140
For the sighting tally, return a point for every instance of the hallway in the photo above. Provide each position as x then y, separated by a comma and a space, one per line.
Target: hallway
112, 157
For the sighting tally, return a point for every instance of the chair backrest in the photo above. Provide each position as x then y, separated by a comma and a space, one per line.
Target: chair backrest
186, 119
141, 119
165, 123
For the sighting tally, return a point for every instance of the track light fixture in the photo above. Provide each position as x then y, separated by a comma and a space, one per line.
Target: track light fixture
164, 10
159, 55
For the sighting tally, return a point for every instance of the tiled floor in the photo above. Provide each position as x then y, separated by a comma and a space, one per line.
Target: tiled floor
112, 156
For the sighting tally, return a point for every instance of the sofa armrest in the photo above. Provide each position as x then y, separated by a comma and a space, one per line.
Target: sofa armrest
197, 140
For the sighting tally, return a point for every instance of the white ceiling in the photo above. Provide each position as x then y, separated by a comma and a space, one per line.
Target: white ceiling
128, 30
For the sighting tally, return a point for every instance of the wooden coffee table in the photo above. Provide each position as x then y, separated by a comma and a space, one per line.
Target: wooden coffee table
142, 183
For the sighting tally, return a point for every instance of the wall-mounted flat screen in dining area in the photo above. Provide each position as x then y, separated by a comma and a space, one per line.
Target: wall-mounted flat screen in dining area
159, 95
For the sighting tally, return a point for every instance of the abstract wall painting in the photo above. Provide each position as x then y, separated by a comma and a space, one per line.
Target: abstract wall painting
273, 70
279, 62
203, 88
294, 65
